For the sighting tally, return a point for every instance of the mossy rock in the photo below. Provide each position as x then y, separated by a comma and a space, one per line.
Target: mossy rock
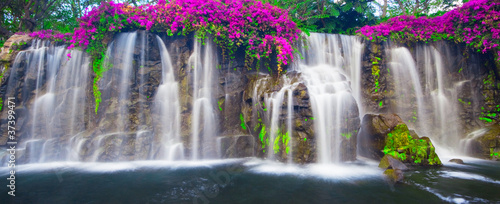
372, 134
389, 161
394, 175
410, 149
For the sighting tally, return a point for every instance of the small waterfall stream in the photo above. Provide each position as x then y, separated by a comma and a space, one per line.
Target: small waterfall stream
167, 100
325, 72
202, 62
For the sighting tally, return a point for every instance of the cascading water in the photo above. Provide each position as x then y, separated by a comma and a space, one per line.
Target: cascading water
444, 99
57, 112
426, 102
204, 125
116, 85
331, 71
279, 130
167, 101
407, 86
324, 73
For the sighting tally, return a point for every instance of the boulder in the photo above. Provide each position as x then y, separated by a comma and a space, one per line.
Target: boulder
388, 161
394, 175
458, 161
372, 134
386, 134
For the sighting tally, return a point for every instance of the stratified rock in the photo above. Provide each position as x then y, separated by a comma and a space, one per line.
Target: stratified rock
12, 43
458, 161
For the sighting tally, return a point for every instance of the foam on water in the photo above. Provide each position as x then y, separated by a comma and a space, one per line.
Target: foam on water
467, 176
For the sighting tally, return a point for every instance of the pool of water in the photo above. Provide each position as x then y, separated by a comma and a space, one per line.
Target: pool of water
249, 181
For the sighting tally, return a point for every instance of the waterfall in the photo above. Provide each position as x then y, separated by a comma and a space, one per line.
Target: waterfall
57, 107
407, 86
159, 100
168, 105
115, 85
428, 102
326, 73
204, 125
277, 118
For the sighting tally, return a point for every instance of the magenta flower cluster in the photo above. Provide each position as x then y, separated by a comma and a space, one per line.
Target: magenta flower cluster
260, 27
475, 23
49, 35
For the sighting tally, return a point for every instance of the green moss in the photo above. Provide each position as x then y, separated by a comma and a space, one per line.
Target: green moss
286, 139
262, 136
220, 102
494, 154
243, 125
276, 146
281, 140
346, 135
1, 104
400, 144
376, 69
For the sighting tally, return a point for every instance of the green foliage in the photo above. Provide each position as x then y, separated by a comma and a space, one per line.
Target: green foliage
281, 140
400, 144
346, 135
262, 135
243, 125
376, 72
276, 146
3, 72
220, 102
494, 154
491, 112
328, 16
1, 104
416, 7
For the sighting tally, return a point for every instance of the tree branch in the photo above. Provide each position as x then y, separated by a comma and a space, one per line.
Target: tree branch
402, 7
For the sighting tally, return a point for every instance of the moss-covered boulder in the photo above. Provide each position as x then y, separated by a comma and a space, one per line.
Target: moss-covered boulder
387, 134
394, 175
410, 149
372, 134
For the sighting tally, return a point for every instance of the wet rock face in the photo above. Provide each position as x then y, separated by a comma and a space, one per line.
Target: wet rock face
299, 145
373, 131
487, 144
236, 146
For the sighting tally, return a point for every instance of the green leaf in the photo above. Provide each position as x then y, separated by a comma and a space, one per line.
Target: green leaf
335, 12
359, 9
347, 7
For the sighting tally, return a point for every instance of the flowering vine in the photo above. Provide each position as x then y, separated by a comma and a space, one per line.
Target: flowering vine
258, 27
475, 23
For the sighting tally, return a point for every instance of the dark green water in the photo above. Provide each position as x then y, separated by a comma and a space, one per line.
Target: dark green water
249, 181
